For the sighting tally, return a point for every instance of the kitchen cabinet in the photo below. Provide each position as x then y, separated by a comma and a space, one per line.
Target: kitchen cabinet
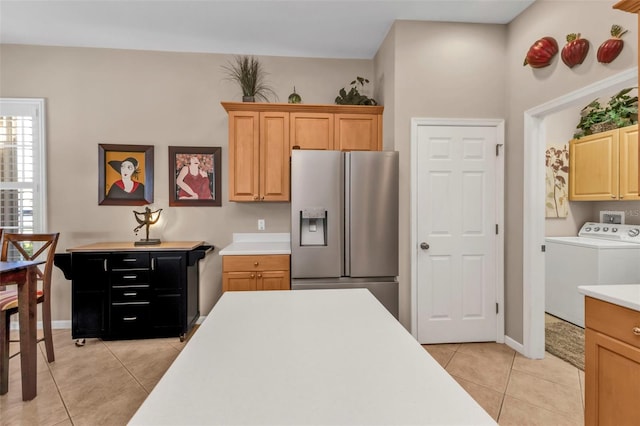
122, 291
258, 156
612, 363
255, 272
604, 166
262, 135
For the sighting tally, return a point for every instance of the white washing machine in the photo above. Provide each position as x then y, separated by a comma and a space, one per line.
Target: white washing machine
601, 254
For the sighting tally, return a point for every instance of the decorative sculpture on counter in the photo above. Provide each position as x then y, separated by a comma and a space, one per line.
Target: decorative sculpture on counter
146, 218
541, 52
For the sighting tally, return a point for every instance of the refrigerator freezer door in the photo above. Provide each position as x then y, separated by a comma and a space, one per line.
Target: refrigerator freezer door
371, 204
316, 213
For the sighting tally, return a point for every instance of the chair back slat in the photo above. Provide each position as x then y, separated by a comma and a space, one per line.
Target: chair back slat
17, 241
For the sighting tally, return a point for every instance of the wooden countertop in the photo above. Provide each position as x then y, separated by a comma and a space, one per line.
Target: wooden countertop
324, 357
129, 246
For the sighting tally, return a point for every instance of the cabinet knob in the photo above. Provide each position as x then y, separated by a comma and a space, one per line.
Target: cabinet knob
636, 331
255, 197
262, 198
255, 263
259, 275
621, 197
252, 276
613, 196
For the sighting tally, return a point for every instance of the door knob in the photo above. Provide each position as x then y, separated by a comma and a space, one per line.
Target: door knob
424, 246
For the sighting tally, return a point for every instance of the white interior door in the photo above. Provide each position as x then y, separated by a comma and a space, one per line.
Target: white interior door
458, 228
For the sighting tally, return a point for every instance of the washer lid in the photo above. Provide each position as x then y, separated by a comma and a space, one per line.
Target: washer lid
591, 242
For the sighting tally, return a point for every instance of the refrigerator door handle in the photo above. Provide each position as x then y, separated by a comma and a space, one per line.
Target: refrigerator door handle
347, 215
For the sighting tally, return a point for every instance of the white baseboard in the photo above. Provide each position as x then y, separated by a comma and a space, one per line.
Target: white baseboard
518, 347
60, 325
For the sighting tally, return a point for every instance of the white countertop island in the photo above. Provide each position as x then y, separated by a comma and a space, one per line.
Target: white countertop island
626, 295
322, 357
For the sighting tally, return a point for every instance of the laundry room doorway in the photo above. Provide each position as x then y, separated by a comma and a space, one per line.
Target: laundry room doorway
535, 139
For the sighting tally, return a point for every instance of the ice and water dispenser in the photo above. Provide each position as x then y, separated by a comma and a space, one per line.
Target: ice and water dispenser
313, 227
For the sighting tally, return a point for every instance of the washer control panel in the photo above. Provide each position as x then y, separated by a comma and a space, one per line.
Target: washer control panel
611, 231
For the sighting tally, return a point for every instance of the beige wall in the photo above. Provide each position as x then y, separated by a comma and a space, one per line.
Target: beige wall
98, 96
443, 70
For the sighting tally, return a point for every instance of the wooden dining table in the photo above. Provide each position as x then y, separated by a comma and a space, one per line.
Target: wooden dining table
24, 275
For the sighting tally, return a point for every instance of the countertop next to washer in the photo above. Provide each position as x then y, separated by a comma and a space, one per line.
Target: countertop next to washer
244, 244
626, 295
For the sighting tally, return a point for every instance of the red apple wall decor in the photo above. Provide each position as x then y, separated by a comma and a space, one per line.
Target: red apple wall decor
574, 52
610, 49
541, 52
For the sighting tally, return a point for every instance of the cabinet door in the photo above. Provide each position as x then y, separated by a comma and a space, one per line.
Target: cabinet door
628, 138
593, 167
274, 156
168, 272
89, 294
358, 132
311, 130
273, 280
238, 281
244, 177
612, 381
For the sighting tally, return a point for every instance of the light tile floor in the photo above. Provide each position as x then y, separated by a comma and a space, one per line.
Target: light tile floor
103, 383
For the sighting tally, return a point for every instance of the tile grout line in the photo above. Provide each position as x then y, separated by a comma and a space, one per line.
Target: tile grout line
55, 382
125, 367
504, 394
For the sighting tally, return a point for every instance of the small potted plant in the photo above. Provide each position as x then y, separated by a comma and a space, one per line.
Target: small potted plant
250, 75
353, 97
620, 111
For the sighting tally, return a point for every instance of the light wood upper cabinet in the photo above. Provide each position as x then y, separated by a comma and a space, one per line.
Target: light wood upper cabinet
262, 135
612, 364
604, 166
311, 130
358, 132
258, 156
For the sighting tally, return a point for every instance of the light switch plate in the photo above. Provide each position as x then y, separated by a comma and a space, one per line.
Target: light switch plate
261, 225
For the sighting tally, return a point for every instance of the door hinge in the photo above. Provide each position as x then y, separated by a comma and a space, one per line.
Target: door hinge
497, 229
543, 248
498, 149
497, 310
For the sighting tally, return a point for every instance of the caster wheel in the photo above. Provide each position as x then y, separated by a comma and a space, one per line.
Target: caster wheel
80, 342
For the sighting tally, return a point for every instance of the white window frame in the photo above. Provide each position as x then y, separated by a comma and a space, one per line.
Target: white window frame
34, 107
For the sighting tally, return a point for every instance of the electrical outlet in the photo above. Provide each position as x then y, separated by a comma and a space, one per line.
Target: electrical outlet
260, 224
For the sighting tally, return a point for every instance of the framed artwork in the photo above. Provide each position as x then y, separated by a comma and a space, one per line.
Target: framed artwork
125, 175
557, 181
194, 176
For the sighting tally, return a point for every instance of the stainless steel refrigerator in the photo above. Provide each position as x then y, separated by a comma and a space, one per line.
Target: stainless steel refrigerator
344, 220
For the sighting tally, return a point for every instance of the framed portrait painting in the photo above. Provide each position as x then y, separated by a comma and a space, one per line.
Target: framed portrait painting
194, 176
125, 175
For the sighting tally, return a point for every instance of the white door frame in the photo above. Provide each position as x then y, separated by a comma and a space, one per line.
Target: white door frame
458, 122
534, 201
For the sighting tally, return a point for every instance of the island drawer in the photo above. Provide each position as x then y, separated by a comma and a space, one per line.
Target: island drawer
613, 320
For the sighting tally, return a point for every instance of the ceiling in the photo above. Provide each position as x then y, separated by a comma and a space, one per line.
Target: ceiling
306, 28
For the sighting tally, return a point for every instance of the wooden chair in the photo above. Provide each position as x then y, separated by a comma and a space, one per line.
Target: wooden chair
28, 247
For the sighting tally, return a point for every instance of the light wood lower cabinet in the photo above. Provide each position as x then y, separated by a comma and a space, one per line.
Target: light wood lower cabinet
612, 364
248, 273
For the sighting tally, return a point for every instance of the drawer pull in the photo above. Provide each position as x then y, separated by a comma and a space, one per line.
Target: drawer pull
129, 318
130, 303
104, 265
129, 277
636, 331
131, 293
129, 259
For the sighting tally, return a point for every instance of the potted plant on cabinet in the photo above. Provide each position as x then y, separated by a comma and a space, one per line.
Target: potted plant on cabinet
248, 72
620, 111
353, 97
